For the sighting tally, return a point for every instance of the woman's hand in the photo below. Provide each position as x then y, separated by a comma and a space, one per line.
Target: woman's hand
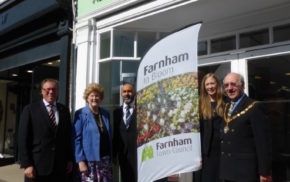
83, 167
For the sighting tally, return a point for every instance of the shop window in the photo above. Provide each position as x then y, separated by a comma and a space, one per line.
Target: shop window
130, 66
111, 77
123, 44
202, 48
145, 41
20, 86
223, 44
255, 38
105, 45
282, 33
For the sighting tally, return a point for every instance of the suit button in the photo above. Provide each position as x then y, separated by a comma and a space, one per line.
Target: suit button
229, 154
223, 153
52, 148
233, 130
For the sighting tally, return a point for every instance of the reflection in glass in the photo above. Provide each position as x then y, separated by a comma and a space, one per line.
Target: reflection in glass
219, 69
123, 44
256, 38
105, 45
111, 80
223, 44
130, 66
18, 88
202, 48
269, 83
145, 41
282, 33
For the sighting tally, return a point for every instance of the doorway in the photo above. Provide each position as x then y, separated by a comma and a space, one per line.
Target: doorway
269, 82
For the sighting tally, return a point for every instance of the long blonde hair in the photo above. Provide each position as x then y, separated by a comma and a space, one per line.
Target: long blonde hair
205, 109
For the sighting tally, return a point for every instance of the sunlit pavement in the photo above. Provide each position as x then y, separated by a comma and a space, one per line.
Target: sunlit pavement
11, 173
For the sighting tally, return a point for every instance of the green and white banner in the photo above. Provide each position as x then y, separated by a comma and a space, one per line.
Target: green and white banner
167, 107
88, 6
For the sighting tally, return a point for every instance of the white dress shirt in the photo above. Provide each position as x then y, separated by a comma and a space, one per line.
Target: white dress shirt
55, 111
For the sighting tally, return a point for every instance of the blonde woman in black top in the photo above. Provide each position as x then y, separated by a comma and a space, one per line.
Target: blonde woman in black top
211, 112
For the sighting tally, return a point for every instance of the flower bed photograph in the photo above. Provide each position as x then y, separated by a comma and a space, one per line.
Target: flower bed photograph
168, 108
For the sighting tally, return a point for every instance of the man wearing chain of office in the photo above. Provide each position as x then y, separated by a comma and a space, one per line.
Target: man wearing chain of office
245, 136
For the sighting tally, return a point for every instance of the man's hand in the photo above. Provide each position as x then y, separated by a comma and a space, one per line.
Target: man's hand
265, 178
29, 172
83, 167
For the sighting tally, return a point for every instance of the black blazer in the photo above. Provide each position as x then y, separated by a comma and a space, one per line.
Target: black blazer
125, 145
206, 127
246, 148
42, 146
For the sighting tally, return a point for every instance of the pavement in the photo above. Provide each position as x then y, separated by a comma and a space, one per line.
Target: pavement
11, 173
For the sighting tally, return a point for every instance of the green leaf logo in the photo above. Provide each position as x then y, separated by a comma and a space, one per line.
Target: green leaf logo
147, 152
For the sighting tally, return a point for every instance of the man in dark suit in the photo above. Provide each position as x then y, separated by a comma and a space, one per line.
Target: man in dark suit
45, 146
125, 134
245, 136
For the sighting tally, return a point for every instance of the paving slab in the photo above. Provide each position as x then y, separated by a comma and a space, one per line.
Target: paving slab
11, 173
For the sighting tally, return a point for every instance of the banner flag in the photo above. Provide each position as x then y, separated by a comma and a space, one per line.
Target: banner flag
167, 107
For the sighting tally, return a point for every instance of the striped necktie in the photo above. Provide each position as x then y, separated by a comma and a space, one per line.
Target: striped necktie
51, 115
128, 114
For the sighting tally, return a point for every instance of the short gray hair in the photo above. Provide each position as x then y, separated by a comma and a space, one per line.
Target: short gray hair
48, 80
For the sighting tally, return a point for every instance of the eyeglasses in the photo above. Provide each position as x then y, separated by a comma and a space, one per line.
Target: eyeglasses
49, 89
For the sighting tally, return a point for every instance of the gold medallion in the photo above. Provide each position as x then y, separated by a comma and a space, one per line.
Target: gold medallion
226, 129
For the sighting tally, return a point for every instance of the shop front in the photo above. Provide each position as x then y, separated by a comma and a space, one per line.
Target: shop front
35, 44
249, 37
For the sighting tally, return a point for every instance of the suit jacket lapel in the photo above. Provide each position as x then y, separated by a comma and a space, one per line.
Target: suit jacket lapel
89, 114
61, 115
122, 124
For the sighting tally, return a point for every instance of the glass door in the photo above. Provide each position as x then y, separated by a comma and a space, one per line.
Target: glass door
269, 82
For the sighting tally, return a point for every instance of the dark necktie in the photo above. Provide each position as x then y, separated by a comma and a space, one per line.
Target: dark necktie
128, 114
52, 116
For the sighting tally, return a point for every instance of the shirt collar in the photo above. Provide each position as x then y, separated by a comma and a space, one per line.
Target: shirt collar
47, 104
131, 105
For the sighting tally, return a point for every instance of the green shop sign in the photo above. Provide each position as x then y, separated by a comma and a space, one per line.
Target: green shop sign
87, 6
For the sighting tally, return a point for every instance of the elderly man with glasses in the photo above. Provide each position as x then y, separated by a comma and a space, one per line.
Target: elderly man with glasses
245, 136
45, 146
